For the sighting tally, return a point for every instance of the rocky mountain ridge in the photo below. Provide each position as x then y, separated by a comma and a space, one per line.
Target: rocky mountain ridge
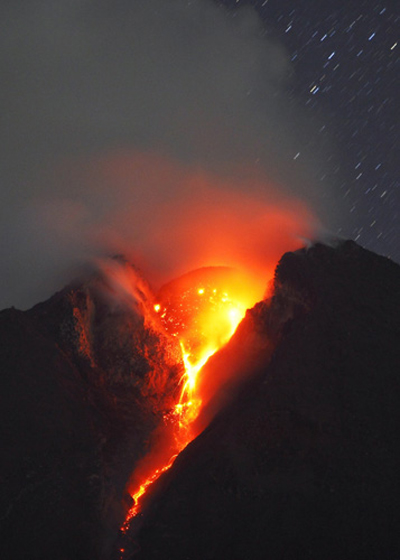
84, 383
299, 459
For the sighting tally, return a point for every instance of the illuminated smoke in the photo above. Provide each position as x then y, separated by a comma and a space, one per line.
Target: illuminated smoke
201, 219
121, 116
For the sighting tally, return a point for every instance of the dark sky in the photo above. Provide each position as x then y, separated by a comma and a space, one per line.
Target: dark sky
302, 92
346, 64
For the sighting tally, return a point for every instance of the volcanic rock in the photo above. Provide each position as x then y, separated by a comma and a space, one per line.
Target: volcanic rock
303, 461
84, 382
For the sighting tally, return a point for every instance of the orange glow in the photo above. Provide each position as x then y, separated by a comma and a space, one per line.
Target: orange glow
142, 490
169, 217
202, 309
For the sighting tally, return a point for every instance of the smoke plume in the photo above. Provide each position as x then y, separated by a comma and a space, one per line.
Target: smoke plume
163, 130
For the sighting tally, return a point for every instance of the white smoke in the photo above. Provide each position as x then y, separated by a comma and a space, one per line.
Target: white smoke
87, 82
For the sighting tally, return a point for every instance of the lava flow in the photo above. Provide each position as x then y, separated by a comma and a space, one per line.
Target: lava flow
202, 309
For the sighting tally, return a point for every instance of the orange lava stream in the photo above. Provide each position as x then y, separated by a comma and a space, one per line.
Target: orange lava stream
214, 317
142, 490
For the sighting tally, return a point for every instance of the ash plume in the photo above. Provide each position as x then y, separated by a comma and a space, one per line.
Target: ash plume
125, 123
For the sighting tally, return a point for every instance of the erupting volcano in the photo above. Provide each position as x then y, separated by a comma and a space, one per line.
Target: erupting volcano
202, 309
103, 388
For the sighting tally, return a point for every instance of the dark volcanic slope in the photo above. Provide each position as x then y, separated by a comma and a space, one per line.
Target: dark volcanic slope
303, 465
83, 382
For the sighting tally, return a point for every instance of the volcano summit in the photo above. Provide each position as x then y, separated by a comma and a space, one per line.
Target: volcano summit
295, 452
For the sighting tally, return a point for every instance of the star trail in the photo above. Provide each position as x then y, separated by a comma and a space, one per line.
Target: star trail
346, 61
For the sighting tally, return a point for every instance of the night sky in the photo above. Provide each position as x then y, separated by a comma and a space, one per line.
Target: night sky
346, 69
303, 92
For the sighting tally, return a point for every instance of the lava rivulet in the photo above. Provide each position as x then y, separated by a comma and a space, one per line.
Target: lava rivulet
202, 309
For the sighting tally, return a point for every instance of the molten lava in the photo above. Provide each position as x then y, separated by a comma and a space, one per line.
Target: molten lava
202, 309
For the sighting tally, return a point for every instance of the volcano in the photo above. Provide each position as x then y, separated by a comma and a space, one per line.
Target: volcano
294, 451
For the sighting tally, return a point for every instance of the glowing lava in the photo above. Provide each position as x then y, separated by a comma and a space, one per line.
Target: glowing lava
202, 309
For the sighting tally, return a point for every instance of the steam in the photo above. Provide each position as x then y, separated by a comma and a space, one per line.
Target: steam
158, 129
